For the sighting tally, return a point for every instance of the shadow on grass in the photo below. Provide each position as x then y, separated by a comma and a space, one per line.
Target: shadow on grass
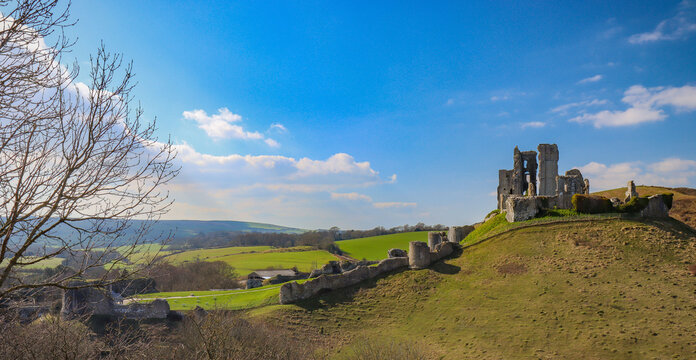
671, 225
444, 268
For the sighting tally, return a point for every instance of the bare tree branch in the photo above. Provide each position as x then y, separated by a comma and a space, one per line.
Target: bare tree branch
78, 164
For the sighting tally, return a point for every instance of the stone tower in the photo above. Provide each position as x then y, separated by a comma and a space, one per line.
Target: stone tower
548, 169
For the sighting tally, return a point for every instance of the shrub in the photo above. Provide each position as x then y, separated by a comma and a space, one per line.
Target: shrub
591, 204
366, 348
496, 212
634, 205
225, 335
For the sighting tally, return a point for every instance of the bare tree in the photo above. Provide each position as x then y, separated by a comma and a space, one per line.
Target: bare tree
78, 164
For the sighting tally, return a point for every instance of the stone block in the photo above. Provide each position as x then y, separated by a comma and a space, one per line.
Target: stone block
521, 208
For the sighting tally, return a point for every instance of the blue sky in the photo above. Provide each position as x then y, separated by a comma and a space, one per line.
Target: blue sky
357, 114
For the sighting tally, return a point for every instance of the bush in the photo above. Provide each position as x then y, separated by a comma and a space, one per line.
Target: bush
634, 205
225, 335
639, 203
496, 212
591, 204
377, 349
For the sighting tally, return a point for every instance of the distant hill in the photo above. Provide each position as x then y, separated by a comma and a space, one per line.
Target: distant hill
181, 229
683, 206
188, 228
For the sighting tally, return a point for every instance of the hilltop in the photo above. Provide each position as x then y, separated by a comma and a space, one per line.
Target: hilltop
683, 206
604, 288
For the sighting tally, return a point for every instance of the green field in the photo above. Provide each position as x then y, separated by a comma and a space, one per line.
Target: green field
44, 264
303, 260
250, 258
213, 254
376, 247
209, 300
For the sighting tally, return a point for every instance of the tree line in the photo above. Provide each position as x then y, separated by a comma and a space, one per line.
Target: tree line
321, 239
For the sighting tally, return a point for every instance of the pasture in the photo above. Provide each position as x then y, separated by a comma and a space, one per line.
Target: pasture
376, 247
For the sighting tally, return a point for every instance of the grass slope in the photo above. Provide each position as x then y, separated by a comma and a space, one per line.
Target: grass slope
603, 289
683, 206
376, 247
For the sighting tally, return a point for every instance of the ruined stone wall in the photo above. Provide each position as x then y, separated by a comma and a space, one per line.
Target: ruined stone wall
568, 185
548, 169
95, 301
292, 291
418, 251
504, 186
157, 309
457, 233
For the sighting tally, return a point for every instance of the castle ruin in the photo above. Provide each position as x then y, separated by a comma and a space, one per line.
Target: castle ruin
554, 190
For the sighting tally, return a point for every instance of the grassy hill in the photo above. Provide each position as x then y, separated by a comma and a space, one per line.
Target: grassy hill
601, 288
376, 247
683, 206
179, 229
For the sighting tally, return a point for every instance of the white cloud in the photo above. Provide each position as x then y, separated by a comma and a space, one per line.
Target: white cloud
591, 79
667, 172
279, 189
354, 196
350, 196
384, 205
222, 126
563, 109
533, 124
272, 143
673, 164
644, 107
630, 116
499, 98
678, 27
278, 127
336, 164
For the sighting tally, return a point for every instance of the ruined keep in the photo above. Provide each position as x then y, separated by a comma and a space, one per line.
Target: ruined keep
548, 169
553, 190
